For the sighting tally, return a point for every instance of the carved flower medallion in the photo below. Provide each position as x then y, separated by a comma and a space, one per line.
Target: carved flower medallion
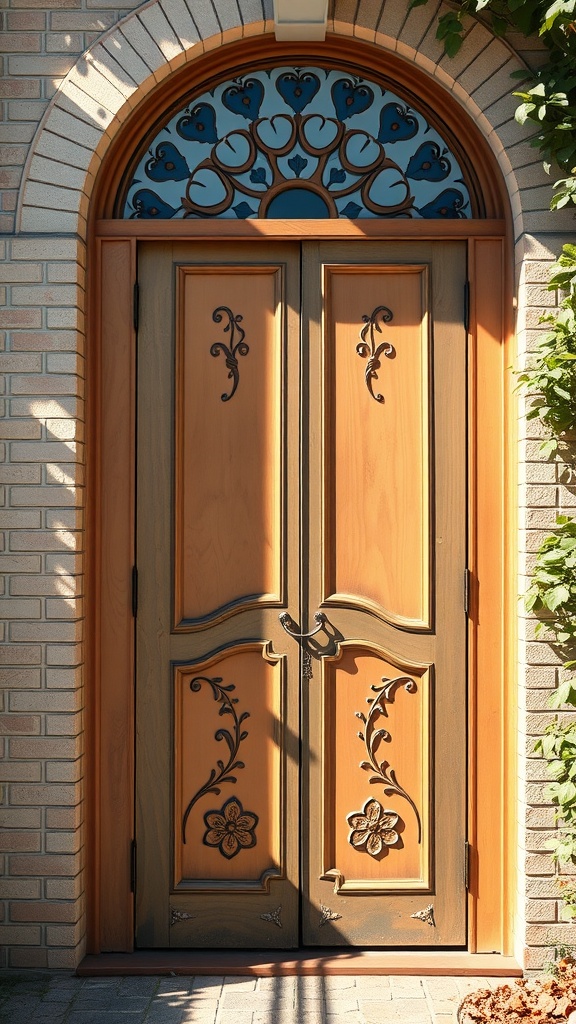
230, 829
373, 828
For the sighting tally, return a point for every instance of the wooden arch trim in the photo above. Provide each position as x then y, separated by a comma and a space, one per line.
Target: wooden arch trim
112, 403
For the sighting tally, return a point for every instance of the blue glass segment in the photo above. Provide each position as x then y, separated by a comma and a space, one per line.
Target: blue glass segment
303, 142
298, 202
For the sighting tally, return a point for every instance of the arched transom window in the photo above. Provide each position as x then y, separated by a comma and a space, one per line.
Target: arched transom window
298, 142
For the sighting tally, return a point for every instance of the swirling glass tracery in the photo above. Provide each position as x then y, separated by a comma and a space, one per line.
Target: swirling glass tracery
298, 143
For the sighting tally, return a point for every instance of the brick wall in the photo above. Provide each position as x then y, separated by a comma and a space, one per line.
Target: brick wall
41, 656
42, 265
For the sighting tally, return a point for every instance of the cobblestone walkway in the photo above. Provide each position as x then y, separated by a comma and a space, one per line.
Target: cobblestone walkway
38, 998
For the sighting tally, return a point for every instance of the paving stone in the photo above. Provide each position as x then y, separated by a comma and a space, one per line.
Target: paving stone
369, 981
172, 999
235, 1017
8, 1016
291, 1017
104, 1017
255, 1001
240, 984
441, 988
445, 1005
408, 1011
179, 985
341, 1004
173, 1015
211, 986
339, 982
199, 1016
138, 986
111, 1001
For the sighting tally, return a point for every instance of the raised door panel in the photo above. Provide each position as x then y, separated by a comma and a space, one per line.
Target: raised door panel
228, 452
377, 510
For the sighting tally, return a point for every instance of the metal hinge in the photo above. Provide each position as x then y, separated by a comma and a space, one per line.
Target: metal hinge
134, 591
466, 305
467, 580
133, 866
466, 865
136, 305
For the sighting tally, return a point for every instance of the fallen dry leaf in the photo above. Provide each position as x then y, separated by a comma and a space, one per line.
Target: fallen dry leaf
527, 1001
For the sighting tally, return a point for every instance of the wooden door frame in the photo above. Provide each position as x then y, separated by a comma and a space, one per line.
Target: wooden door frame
110, 701
111, 361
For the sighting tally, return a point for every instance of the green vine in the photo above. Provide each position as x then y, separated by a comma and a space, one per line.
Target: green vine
550, 378
547, 98
553, 586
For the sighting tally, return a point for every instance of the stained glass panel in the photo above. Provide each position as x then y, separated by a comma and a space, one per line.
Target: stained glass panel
298, 143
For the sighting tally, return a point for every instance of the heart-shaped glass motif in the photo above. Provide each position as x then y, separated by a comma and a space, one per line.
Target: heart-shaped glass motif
428, 163
396, 124
245, 99
148, 206
198, 124
167, 164
449, 205
297, 90
349, 99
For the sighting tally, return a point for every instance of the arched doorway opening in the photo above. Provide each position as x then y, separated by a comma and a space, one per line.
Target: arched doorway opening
326, 478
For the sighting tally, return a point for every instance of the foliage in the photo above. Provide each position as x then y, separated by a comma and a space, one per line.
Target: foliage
553, 587
547, 94
548, 103
550, 378
558, 747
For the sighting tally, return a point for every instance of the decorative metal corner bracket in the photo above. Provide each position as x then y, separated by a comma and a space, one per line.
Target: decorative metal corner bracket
273, 917
426, 915
368, 350
179, 915
232, 350
326, 915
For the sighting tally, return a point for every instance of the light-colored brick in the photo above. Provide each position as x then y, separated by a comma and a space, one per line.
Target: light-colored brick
40, 796
14, 841
20, 935
20, 888
19, 725
19, 608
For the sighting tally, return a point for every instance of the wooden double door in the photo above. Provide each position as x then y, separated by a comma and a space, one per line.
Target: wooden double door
301, 632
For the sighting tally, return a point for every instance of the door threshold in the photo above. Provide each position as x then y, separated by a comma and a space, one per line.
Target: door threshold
264, 963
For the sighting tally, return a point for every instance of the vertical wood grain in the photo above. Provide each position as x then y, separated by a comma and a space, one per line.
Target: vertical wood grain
486, 634
116, 507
